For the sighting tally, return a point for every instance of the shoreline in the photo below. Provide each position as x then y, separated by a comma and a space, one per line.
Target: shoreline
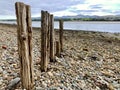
37, 28
104, 35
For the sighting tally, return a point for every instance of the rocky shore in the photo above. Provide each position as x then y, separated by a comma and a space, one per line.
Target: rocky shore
89, 61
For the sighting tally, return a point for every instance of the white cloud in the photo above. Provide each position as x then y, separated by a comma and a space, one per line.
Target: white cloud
107, 4
64, 13
99, 13
80, 7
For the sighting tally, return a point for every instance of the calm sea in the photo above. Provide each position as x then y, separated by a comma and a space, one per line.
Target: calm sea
76, 25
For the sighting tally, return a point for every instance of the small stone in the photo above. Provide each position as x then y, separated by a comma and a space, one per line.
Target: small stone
37, 62
82, 84
44, 84
50, 74
14, 49
110, 87
14, 65
14, 74
5, 72
4, 47
85, 49
94, 57
101, 85
35, 77
48, 81
9, 71
1, 80
62, 87
57, 59
38, 88
5, 77
106, 73
115, 84
62, 81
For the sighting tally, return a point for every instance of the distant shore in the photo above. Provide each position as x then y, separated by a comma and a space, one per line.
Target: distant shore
15, 25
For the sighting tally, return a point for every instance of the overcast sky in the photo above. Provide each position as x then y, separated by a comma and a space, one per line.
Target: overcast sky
63, 7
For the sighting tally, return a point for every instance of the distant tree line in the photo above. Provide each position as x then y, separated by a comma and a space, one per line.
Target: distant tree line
89, 19
104, 18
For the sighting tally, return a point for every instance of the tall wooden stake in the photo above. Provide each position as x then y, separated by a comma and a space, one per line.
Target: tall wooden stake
44, 29
48, 36
24, 45
29, 30
52, 54
57, 49
61, 35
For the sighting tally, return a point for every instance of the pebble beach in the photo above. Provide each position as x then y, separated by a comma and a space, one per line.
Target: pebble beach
89, 61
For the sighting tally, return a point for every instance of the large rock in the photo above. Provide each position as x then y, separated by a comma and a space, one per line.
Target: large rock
13, 83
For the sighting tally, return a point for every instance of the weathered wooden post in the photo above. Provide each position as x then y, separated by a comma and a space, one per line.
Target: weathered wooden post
29, 30
52, 54
44, 29
57, 49
24, 32
61, 35
48, 36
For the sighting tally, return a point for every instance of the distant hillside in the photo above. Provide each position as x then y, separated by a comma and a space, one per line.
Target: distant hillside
79, 18
84, 18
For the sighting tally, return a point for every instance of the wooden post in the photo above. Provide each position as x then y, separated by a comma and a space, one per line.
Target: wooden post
24, 45
48, 35
44, 29
57, 49
61, 35
29, 30
52, 54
